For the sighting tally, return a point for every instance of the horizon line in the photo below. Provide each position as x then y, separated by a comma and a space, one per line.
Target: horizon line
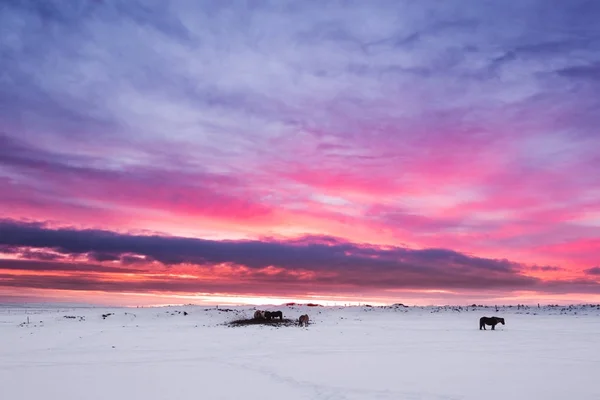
291, 304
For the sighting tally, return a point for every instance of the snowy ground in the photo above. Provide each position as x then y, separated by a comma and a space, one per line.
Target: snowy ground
346, 353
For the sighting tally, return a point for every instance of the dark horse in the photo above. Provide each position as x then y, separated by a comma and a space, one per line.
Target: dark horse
269, 315
493, 321
277, 314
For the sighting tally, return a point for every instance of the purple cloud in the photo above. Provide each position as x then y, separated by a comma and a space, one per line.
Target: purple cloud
332, 263
593, 271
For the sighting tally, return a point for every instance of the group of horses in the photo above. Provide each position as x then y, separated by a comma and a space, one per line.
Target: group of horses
303, 320
269, 315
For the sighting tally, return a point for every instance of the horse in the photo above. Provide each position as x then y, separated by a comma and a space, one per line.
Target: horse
277, 314
303, 320
268, 315
258, 314
493, 321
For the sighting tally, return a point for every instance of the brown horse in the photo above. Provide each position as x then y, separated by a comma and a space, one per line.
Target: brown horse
258, 314
493, 321
303, 320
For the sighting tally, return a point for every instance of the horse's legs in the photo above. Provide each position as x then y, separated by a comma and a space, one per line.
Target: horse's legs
494, 327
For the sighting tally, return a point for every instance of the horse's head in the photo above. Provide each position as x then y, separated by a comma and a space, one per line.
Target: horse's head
501, 320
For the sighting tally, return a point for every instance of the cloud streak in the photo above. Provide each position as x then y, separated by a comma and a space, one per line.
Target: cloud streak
593, 271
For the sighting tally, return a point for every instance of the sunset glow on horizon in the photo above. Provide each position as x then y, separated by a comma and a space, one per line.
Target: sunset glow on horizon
335, 153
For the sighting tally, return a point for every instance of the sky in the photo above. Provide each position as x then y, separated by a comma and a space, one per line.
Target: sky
341, 152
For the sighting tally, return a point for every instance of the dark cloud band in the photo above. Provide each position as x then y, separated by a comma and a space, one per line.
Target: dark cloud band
329, 264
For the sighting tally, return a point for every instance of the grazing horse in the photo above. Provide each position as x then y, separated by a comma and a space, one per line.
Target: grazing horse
269, 315
258, 314
303, 320
277, 314
493, 321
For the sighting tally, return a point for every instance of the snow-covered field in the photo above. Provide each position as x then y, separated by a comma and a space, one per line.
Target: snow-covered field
346, 353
